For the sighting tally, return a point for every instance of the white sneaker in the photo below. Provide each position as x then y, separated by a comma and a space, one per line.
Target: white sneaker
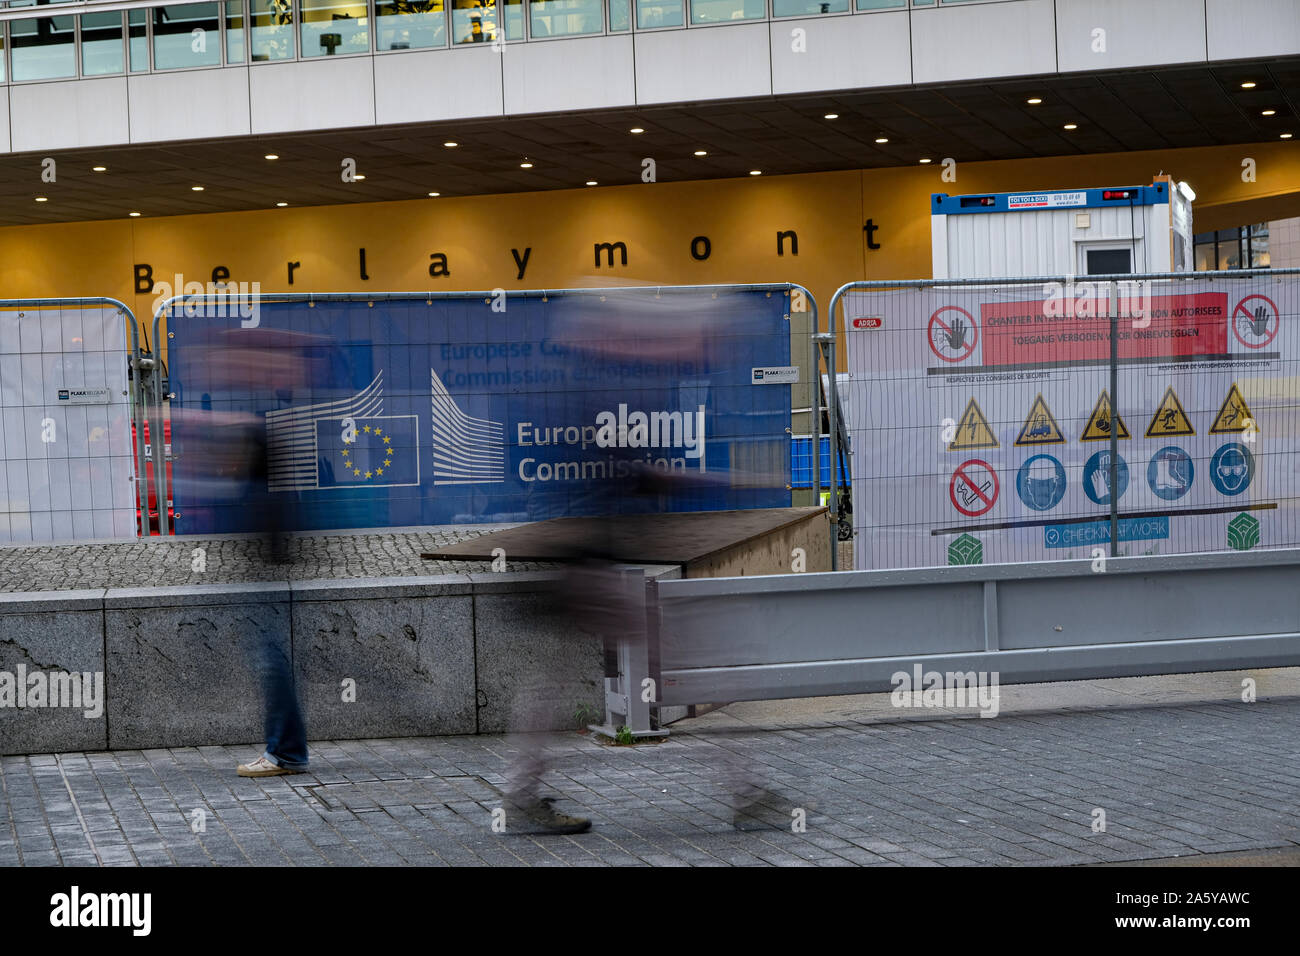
261, 767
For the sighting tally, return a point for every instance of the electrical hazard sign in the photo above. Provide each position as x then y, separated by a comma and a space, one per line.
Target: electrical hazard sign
1170, 418
1040, 426
1234, 415
1102, 420
973, 430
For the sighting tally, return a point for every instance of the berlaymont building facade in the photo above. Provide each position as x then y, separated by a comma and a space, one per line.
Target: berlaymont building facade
500, 144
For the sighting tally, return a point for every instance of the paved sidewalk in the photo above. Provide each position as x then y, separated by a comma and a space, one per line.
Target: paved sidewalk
1180, 766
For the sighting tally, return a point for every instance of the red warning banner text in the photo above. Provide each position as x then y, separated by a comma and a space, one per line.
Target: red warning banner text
1068, 331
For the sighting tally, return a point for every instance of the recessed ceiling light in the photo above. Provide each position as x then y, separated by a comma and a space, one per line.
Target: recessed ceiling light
282, 204
701, 152
1286, 136
882, 139
451, 144
591, 182
831, 116
435, 194
134, 214
359, 176
925, 161
1034, 100
636, 129
1268, 113
1248, 85
197, 189
1071, 126
271, 156
525, 165
99, 169
756, 172
42, 199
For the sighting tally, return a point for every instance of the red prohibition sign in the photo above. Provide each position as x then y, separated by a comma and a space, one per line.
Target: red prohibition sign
982, 501
952, 333
1249, 316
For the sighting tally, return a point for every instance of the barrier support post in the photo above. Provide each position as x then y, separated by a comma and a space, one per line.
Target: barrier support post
825, 342
626, 704
1114, 418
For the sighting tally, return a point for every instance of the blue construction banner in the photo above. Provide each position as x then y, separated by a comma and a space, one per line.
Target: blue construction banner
392, 413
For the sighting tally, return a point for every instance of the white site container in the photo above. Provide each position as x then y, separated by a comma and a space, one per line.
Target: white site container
1099, 231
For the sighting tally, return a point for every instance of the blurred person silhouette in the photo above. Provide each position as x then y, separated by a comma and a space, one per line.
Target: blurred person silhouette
226, 472
592, 597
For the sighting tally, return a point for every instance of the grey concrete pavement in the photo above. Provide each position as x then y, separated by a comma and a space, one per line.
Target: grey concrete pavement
1181, 767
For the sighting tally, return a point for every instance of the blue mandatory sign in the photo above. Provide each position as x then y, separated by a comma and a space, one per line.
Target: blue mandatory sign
1096, 478
1170, 473
1040, 483
1232, 468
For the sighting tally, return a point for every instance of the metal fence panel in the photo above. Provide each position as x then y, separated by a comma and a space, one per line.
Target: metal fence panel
67, 465
487, 402
991, 425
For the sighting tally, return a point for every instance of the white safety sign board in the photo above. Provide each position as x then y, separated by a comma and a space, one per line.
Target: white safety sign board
983, 420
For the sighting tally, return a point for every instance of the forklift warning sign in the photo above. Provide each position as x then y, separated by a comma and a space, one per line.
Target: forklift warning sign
963, 391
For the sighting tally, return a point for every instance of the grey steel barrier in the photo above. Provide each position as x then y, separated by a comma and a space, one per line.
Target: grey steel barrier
226, 299
1111, 281
138, 364
717, 640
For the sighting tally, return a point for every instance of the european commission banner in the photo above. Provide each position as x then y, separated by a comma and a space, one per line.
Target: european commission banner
983, 418
416, 412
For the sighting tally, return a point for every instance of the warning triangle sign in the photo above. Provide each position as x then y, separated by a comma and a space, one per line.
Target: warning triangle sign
1170, 419
1234, 415
1099, 422
1040, 426
973, 430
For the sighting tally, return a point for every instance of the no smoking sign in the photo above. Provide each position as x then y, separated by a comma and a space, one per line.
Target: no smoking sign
974, 488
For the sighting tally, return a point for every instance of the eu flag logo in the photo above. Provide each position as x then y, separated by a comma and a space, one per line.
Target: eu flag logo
379, 451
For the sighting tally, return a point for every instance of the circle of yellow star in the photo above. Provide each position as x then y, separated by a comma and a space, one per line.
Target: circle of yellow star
349, 465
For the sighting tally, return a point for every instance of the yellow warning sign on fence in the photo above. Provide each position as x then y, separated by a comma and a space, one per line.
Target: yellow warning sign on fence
1234, 415
1170, 418
973, 430
1101, 421
1040, 426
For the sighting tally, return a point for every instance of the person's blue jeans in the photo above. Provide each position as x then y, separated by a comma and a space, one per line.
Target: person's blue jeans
286, 735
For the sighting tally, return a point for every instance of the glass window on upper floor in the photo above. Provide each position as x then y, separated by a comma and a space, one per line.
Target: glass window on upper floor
43, 48
186, 36
137, 26
477, 21
726, 11
565, 18
410, 24
889, 4
652, 14
620, 17
807, 8
334, 27
101, 44
271, 29
235, 31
